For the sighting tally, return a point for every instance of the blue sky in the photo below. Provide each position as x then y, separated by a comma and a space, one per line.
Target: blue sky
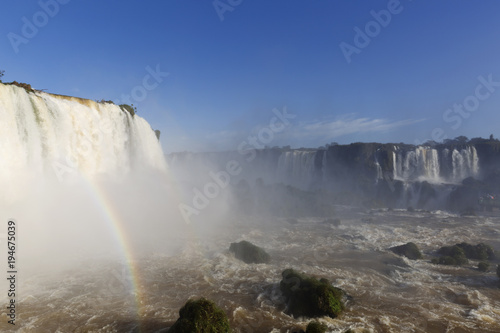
229, 67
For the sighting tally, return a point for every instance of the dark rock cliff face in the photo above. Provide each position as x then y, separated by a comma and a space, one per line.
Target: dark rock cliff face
374, 174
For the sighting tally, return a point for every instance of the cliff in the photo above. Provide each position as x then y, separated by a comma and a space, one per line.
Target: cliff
395, 175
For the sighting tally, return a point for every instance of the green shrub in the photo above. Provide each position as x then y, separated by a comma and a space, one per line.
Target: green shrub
316, 327
483, 266
452, 255
201, 316
480, 251
306, 296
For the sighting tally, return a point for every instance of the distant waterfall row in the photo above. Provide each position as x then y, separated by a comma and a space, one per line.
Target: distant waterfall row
314, 169
338, 167
434, 165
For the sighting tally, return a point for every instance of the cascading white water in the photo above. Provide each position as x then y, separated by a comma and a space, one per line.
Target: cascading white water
432, 165
419, 164
465, 163
45, 135
297, 168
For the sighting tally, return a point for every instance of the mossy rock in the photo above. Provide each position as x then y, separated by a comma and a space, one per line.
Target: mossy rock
316, 327
335, 222
310, 297
201, 316
483, 266
451, 255
480, 251
409, 250
249, 253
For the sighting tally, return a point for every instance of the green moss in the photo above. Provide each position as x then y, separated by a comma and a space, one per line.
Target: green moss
306, 296
459, 253
452, 255
483, 266
480, 251
201, 316
316, 327
409, 250
249, 253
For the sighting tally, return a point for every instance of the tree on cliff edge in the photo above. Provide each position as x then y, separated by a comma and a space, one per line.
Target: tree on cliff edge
1, 74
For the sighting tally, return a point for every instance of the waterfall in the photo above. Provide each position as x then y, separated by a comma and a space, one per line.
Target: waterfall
45, 135
297, 168
433, 165
422, 163
380, 174
465, 163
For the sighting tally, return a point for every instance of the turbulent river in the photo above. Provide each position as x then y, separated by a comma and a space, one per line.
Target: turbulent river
386, 293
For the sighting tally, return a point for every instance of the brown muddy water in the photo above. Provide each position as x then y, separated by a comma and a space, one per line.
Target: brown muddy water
386, 293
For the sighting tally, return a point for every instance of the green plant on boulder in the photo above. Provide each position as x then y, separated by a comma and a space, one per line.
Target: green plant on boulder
480, 251
249, 253
451, 255
306, 296
409, 250
201, 316
483, 266
316, 327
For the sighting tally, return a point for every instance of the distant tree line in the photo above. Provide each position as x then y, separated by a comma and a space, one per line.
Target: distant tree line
460, 140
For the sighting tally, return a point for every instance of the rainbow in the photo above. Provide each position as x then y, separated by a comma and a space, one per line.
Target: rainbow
113, 222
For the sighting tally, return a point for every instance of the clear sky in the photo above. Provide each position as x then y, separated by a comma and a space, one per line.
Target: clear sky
349, 71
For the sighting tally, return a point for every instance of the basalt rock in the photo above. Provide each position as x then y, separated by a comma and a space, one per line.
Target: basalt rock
249, 253
409, 250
